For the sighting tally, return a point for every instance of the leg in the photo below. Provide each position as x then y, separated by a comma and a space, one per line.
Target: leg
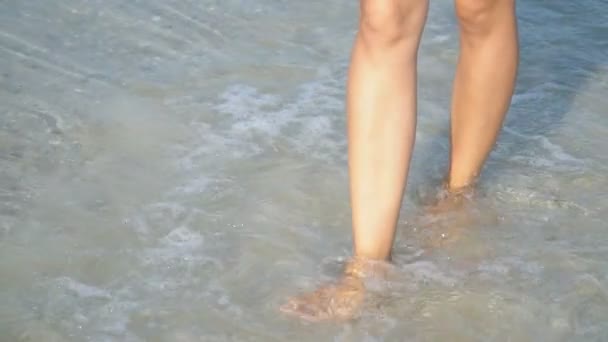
381, 106
484, 83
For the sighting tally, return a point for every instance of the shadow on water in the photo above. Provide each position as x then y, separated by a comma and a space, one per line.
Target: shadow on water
562, 45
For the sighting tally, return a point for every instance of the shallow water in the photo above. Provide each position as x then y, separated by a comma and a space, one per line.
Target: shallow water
173, 170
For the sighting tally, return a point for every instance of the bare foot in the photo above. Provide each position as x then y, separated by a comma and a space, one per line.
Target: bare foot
450, 200
340, 301
447, 217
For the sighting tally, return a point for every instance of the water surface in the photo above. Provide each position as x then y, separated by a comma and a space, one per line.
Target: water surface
173, 170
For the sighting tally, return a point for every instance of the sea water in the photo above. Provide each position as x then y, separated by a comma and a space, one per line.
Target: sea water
175, 170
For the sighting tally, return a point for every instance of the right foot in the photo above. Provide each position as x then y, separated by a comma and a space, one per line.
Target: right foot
450, 200
447, 217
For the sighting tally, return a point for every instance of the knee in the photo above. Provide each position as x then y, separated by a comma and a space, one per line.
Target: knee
479, 16
391, 21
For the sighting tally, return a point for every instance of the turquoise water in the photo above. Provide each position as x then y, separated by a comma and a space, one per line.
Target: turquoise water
173, 170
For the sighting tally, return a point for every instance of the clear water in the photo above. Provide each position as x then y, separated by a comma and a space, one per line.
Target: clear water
173, 170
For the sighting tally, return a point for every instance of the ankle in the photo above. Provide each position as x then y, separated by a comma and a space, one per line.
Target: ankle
459, 184
360, 267
459, 187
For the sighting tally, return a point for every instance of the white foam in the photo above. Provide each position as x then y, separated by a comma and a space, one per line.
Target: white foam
557, 152
183, 238
554, 156
83, 290
196, 185
257, 121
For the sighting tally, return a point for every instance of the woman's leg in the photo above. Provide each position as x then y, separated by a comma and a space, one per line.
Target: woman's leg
484, 83
381, 106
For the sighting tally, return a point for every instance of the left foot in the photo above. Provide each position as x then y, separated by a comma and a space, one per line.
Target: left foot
340, 301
